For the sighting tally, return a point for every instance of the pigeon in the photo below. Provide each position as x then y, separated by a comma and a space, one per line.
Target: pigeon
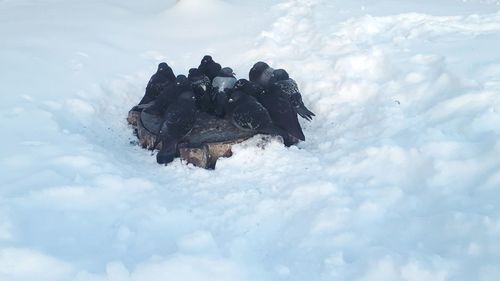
169, 95
222, 85
163, 76
202, 88
279, 108
249, 87
282, 113
246, 113
209, 67
178, 122
281, 82
182, 83
260, 73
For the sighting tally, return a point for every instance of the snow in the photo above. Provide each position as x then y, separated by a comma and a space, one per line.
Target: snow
398, 178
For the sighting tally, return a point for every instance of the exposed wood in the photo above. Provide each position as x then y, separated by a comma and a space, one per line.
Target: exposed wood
135, 113
133, 117
198, 156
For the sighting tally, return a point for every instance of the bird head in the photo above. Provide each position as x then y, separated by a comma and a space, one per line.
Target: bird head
240, 84
280, 74
227, 72
166, 71
260, 66
207, 59
194, 72
163, 66
259, 73
181, 79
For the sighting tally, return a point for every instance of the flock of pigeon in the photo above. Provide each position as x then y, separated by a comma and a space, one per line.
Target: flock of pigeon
269, 102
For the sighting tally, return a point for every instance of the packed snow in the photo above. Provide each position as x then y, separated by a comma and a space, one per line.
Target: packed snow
398, 179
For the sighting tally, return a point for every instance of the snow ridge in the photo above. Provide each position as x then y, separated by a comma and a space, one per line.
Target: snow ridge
394, 133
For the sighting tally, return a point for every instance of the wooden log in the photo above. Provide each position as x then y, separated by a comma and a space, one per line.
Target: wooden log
133, 117
198, 156
135, 113
210, 139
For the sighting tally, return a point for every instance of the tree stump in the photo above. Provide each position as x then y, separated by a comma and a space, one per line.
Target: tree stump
135, 113
210, 139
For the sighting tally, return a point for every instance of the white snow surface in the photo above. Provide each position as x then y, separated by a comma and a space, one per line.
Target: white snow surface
398, 179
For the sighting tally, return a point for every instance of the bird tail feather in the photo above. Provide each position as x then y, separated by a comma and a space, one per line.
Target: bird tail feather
305, 113
167, 152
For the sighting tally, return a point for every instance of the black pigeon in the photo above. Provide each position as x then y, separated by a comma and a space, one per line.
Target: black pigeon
278, 75
280, 81
169, 95
178, 121
282, 113
202, 88
182, 83
209, 67
246, 113
222, 85
249, 87
163, 76
260, 73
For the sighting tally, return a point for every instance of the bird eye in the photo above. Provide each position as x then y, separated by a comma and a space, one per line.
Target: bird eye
231, 100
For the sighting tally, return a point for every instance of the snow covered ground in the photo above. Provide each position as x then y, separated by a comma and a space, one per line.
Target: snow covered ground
399, 178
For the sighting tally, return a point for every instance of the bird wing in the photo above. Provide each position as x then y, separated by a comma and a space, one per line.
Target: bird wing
288, 87
179, 121
172, 120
